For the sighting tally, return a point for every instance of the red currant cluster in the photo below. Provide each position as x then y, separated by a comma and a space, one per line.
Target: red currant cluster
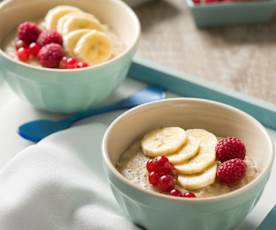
162, 175
46, 46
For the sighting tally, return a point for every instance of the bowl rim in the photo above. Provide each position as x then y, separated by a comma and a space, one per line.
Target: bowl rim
123, 5
225, 196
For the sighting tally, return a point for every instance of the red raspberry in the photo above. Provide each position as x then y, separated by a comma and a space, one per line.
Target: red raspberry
28, 32
49, 36
230, 148
231, 172
51, 55
166, 183
196, 1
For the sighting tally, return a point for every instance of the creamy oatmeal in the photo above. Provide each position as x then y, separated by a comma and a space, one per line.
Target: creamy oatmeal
132, 165
65, 33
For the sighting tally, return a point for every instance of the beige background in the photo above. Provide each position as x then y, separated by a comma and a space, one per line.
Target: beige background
240, 57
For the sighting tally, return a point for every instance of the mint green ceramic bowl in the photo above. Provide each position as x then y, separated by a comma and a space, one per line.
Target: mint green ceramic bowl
231, 13
67, 91
156, 211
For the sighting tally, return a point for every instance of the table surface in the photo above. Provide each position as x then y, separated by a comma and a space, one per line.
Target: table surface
238, 57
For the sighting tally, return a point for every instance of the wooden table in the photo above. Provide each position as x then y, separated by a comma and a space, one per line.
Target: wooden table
242, 58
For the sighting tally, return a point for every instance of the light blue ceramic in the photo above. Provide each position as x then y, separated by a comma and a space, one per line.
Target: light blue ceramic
218, 14
36, 130
191, 86
67, 91
156, 211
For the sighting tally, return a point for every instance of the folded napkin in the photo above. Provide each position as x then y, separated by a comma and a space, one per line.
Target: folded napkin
59, 184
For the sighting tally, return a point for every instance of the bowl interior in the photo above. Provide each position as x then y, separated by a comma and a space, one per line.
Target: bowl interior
219, 119
117, 15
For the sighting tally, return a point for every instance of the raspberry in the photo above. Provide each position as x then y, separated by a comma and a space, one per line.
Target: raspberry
49, 36
231, 172
51, 55
28, 32
230, 148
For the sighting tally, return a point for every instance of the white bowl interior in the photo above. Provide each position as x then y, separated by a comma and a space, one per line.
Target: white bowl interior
117, 15
221, 120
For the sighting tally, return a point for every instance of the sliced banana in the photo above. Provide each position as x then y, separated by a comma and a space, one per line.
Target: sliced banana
188, 151
94, 48
81, 21
206, 155
70, 40
53, 15
193, 182
163, 141
62, 20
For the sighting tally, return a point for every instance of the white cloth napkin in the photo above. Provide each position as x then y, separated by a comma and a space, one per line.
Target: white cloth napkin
59, 184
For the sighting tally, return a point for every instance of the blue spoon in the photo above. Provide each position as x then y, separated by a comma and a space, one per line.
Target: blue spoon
36, 130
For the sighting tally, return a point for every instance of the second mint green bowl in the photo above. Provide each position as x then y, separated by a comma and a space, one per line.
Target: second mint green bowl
231, 13
67, 91
156, 211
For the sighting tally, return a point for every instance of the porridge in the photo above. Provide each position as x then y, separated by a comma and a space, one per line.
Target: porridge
191, 163
66, 38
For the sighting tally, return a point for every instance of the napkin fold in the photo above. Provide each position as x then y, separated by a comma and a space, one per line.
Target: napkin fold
59, 184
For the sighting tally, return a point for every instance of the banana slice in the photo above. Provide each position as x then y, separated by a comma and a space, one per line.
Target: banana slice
206, 155
70, 40
62, 20
81, 21
193, 182
163, 141
53, 15
94, 48
188, 151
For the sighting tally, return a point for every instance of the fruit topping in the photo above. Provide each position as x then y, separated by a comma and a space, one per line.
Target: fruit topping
49, 36
23, 54
28, 32
20, 43
230, 148
154, 178
51, 55
189, 195
231, 172
164, 141
166, 183
34, 49
176, 192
